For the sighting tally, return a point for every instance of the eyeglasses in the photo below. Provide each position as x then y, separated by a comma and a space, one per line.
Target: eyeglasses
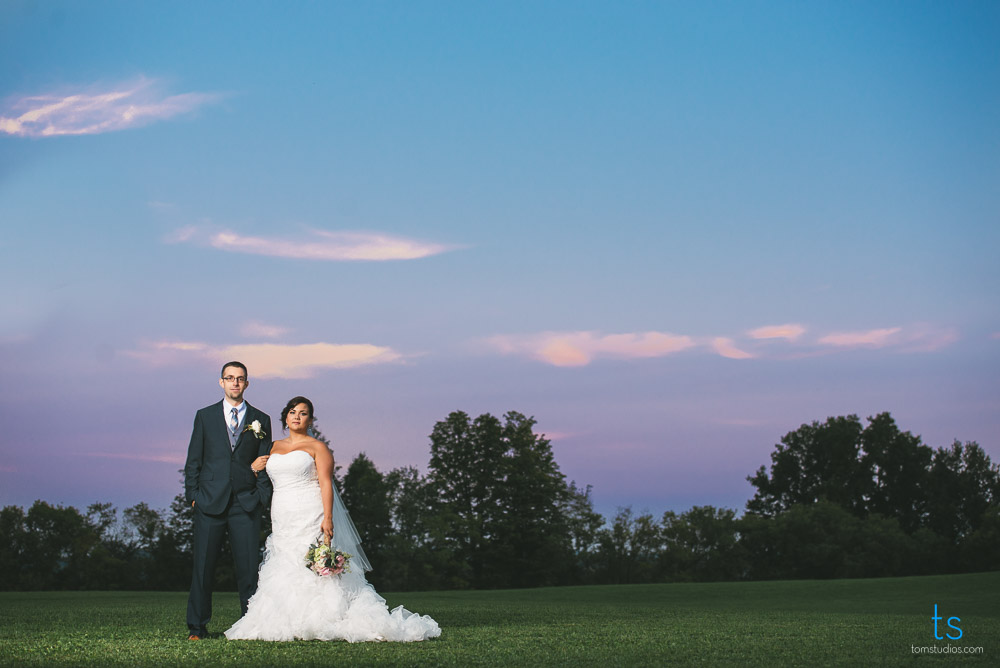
239, 379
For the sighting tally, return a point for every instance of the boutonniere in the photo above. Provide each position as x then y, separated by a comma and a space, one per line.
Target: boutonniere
257, 430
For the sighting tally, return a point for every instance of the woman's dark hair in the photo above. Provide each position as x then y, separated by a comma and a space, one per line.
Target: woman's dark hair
292, 403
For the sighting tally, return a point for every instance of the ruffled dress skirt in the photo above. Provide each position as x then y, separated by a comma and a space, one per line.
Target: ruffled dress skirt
292, 602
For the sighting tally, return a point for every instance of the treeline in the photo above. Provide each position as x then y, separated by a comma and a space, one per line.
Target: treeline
840, 499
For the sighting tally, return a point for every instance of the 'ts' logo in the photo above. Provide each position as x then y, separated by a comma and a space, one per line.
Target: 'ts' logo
950, 620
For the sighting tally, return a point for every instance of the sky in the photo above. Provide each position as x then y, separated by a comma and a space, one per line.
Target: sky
672, 232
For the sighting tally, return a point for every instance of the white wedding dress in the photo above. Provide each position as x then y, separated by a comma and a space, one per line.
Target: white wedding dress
292, 602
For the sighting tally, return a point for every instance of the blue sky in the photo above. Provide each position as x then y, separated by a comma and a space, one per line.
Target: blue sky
672, 232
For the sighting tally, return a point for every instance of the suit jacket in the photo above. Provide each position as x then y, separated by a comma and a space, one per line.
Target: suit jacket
214, 471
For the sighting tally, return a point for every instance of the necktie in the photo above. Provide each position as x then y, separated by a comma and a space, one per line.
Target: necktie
233, 423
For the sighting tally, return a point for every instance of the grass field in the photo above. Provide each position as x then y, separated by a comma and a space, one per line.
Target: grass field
848, 622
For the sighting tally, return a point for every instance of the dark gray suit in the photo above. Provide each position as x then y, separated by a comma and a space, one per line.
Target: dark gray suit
226, 494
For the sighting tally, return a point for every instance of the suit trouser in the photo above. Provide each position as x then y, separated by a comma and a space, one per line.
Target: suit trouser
208, 534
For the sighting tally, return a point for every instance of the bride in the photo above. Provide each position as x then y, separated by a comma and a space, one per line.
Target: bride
292, 602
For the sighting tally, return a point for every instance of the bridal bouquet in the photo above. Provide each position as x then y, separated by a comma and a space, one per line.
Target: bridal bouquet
321, 559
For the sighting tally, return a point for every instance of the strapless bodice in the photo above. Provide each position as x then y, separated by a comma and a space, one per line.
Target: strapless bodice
293, 470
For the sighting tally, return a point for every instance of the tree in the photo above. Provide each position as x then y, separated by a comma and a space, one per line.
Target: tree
630, 548
104, 518
143, 526
144, 529
815, 462
466, 474
963, 486
419, 555
584, 526
822, 540
57, 542
702, 544
499, 489
173, 547
13, 547
894, 467
530, 538
934, 504
981, 550
367, 497
878, 470
179, 524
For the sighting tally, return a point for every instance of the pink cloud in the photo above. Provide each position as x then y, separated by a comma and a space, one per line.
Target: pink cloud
574, 349
910, 339
272, 360
726, 348
269, 360
790, 332
559, 435
562, 352
96, 112
927, 338
580, 348
315, 244
873, 338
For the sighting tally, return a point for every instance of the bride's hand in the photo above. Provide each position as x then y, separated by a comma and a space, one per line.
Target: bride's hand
258, 464
327, 527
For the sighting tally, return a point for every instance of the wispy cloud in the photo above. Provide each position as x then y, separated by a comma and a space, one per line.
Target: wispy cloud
96, 110
559, 435
7, 469
315, 244
181, 234
927, 338
580, 348
254, 329
269, 360
913, 338
872, 338
789, 332
727, 348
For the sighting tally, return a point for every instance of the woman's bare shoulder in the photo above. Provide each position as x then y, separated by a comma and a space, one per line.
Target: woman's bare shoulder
314, 446
319, 448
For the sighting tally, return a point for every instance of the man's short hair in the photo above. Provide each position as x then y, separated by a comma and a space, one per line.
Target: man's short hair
246, 374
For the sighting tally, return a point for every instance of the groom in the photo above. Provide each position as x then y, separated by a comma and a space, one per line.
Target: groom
225, 492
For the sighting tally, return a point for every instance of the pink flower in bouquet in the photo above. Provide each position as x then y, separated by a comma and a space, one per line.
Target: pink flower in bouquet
325, 571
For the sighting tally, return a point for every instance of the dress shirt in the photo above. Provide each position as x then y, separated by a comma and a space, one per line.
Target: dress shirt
227, 411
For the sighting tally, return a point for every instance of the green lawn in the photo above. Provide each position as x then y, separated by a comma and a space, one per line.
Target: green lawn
848, 622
